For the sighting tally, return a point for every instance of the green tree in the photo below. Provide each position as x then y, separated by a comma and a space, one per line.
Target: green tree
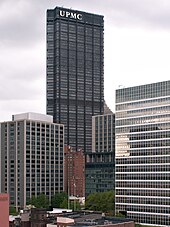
41, 201
13, 211
64, 204
75, 205
59, 200
101, 201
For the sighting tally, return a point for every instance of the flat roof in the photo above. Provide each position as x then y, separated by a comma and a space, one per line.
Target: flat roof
33, 116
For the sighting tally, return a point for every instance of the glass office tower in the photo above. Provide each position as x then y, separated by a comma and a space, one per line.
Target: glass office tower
143, 153
100, 163
75, 89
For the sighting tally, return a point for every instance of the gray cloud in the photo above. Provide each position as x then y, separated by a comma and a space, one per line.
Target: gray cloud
22, 38
23, 23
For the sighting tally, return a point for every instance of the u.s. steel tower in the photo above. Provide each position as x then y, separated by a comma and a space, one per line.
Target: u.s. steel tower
75, 90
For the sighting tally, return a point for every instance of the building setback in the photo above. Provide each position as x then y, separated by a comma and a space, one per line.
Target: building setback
143, 153
31, 148
75, 84
100, 163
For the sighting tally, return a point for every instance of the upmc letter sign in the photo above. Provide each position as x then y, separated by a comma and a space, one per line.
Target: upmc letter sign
71, 15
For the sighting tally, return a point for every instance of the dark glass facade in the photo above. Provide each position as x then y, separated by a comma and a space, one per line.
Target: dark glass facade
75, 89
100, 163
143, 153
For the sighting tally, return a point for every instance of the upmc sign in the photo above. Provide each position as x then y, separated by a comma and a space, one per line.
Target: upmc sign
72, 15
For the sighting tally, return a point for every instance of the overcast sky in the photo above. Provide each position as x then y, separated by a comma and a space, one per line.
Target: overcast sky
136, 43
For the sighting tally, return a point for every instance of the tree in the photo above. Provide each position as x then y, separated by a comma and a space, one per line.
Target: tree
13, 211
40, 201
75, 205
101, 201
59, 200
64, 204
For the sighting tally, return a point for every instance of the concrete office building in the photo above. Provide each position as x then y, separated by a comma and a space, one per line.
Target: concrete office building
100, 162
143, 153
31, 149
75, 84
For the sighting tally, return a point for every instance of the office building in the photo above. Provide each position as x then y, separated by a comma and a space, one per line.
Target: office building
75, 84
31, 149
100, 162
143, 153
74, 172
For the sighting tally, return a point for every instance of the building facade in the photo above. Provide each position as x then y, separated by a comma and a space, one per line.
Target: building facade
32, 150
4, 209
75, 84
74, 172
100, 163
143, 153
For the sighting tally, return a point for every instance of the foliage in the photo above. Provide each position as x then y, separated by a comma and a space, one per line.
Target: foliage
64, 204
12, 211
40, 201
101, 201
59, 200
75, 205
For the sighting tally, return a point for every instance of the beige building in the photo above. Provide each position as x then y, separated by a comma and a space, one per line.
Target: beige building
31, 149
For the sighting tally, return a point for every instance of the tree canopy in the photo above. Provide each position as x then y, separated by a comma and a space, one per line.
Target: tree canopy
40, 201
101, 201
59, 200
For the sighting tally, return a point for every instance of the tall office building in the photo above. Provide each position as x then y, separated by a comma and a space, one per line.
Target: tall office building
31, 151
75, 90
100, 162
143, 153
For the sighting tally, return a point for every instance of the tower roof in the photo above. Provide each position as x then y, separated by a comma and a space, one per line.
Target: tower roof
107, 110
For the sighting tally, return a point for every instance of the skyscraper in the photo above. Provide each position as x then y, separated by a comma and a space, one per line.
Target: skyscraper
75, 89
143, 153
31, 151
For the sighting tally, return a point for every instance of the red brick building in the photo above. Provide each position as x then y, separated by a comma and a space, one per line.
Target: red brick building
4, 210
74, 172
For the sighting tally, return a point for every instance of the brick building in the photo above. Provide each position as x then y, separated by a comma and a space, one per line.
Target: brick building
74, 172
4, 210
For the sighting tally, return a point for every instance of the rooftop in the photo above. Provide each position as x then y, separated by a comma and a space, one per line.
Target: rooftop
33, 116
92, 218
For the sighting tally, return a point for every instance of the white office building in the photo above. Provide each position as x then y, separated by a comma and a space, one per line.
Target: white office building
143, 153
31, 149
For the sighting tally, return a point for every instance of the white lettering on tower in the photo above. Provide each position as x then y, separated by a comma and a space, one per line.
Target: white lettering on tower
71, 15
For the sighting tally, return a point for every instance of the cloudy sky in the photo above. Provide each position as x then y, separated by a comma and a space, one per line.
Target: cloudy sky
137, 48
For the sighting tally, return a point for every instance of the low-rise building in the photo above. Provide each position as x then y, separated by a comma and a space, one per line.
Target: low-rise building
4, 210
